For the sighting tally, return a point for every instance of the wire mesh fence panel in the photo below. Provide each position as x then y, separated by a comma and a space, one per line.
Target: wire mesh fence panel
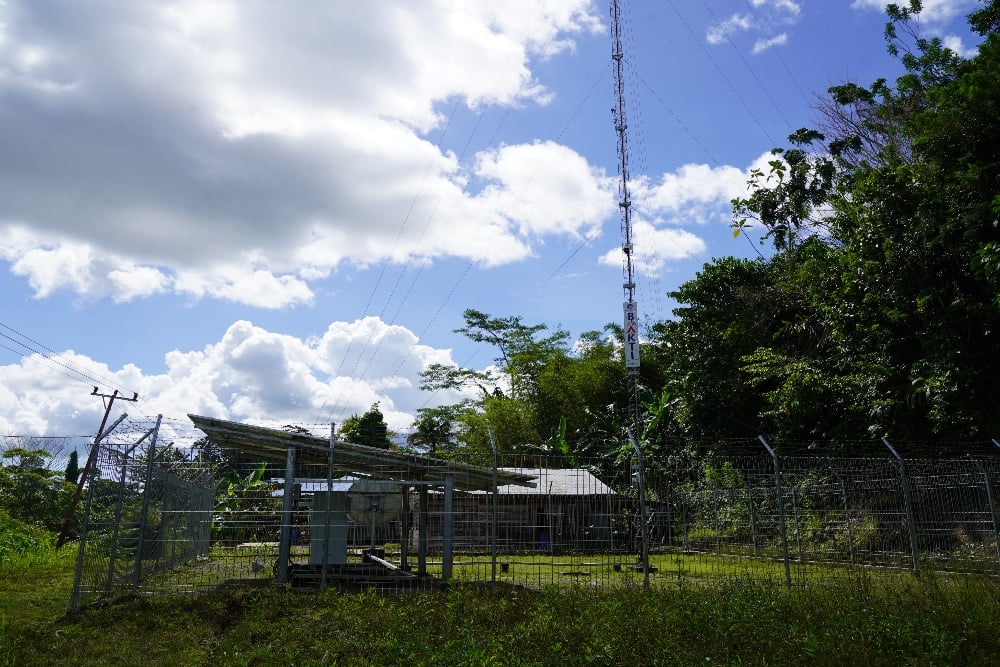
97, 527
955, 515
850, 511
140, 517
377, 518
568, 527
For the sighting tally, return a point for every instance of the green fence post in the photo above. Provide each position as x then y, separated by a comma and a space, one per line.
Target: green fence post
141, 544
642, 512
993, 511
908, 502
447, 547
327, 529
285, 534
780, 501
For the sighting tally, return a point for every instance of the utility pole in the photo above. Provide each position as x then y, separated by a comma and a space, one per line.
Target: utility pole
68, 521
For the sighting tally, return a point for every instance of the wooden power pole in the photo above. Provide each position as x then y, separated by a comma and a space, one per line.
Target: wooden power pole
71, 512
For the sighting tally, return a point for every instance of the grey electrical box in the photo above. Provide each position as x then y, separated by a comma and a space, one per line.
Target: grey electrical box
336, 547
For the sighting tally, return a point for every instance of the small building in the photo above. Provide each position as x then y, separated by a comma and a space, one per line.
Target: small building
568, 510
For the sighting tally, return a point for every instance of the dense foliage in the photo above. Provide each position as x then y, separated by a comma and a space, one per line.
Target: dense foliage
877, 312
32, 493
368, 429
886, 233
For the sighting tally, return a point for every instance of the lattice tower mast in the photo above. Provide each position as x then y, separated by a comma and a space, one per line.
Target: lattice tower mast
631, 308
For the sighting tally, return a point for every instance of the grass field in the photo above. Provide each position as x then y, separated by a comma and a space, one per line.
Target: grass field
253, 564
684, 619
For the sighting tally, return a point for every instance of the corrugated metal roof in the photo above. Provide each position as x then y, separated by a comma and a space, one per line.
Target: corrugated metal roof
342, 485
557, 482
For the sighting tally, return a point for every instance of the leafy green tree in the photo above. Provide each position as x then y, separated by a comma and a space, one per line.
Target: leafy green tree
73, 468
522, 353
32, 493
723, 314
245, 506
438, 377
434, 429
787, 199
589, 374
369, 429
894, 284
223, 465
548, 386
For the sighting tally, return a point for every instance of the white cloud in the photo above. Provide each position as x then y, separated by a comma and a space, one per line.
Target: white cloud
764, 15
545, 188
656, 248
693, 194
934, 11
157, 146
251, 374
765, 44
787, 6
259, 288
52, 396
955, 43
721, 32
130, 282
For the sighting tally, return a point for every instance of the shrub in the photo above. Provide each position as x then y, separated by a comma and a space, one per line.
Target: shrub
22, 543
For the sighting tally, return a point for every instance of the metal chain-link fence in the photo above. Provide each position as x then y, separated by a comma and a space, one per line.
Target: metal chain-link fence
146, 510
173, 520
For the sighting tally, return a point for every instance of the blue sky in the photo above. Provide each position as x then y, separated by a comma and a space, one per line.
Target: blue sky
277, 212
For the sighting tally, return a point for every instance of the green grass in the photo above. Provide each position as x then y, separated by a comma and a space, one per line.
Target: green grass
540, 570
683, 620
253, 565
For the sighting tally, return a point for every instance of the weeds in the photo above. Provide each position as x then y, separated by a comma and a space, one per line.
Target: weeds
864, 619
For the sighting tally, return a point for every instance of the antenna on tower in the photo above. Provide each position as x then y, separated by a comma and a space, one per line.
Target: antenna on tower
631, 308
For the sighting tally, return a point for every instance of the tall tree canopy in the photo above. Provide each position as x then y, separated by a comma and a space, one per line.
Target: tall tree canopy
887, 227
368, 429
30, 491
545, 387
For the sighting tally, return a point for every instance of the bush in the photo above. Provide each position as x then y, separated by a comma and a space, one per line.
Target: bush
21, 543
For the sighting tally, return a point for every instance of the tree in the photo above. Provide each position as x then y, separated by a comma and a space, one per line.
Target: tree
437, 377
433, 429
898, 294
73, 468
788, 199
543, 407
32, 493
223, 464
369, 429
522, 352
729, 309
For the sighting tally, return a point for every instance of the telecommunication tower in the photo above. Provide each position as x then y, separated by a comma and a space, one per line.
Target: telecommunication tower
631, 308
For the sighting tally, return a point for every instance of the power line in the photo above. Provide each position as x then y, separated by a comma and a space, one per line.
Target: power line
722, 73
419, 272
385, 263
777, 53
69, 368
753, 72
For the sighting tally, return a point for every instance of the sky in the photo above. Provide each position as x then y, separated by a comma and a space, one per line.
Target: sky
277, 213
